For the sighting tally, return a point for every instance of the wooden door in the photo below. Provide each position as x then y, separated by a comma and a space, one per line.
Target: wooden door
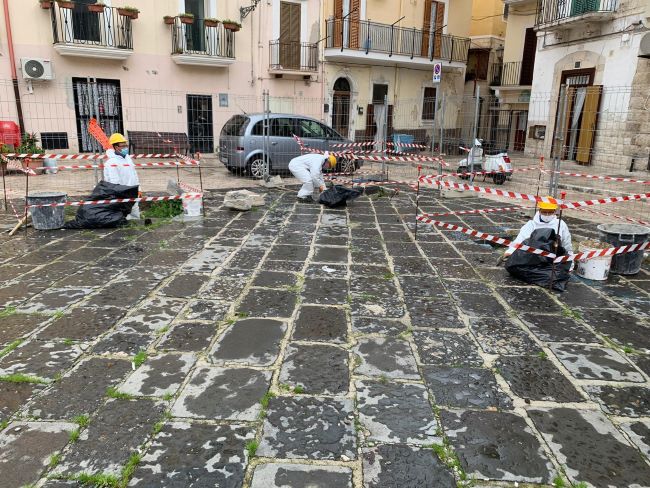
355, 8
337, 25
434, 17
588, 124
528, 58
290, 35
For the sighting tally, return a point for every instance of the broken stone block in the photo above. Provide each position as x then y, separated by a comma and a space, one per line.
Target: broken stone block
243, 200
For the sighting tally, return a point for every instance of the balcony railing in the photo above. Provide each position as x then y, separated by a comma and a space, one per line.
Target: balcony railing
293, 56
506, 74
388, 39
202, 40
550, 11
79, 26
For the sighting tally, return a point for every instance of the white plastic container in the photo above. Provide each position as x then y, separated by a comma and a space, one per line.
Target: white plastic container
193, 207
596, 269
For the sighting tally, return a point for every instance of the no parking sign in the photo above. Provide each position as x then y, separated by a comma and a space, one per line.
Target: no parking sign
437, 72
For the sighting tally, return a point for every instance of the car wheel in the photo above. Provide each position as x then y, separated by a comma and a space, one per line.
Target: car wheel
346, 165
256, 168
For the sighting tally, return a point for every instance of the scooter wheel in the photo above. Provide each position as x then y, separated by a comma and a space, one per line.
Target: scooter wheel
499, 178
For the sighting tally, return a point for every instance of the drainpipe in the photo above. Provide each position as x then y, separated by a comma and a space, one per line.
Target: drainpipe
12, 60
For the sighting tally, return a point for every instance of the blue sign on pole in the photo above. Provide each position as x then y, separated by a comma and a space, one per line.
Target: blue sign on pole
437, 72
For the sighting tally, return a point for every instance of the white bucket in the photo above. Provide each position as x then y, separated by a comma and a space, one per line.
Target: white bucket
193, 207
596, 269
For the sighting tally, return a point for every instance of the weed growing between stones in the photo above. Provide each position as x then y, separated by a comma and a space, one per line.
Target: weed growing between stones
165, 209
542, 355
7, 312
168, 397
251, 448
139, 359
388, 276
448, 456
298, 390
74, 436
68, 342
264, 401
58, 314
82, 420
572, 314
558, 482
160, 424
10, 347
3, 424
383, 379
54, 461
113, 393
406, 334
22, 378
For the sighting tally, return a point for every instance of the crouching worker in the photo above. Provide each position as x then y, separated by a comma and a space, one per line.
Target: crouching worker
119, 169
308, 168
542, 232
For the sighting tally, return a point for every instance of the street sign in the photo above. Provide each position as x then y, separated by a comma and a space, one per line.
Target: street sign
437, 72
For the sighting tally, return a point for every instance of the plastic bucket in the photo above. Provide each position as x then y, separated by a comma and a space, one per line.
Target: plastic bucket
47, 218
624, 235
193, 207
595, 268
51, 165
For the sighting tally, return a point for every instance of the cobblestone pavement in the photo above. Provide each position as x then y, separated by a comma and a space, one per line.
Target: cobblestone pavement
296, 346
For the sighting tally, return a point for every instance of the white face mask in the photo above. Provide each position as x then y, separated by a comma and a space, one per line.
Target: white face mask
546, 218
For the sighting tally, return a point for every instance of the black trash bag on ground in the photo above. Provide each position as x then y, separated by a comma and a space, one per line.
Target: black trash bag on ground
338, 196
108, 215
538, 270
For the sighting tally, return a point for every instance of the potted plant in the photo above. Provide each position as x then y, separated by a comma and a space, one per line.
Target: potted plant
211, 22
169, 19
97, 8
46, 4
186, 18
130, 12
65, 4
231, 25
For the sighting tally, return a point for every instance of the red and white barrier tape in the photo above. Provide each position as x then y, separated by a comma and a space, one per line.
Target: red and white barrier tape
374, 183
87, 156
597, 177
433, 180
405, 159
188, 196
487, 173
101, 166
486, 237
479, 211
614, 216
372, 143
17, 166
187, 187
612, 251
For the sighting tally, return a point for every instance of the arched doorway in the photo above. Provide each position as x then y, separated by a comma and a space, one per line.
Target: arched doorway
341, 107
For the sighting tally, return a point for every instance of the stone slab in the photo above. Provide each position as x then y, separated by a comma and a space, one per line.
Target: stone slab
154, 314
208, 310
433, 313
596, 363
185, 285
324, 291
381, 411
224, 394
465, 387
280, 475
590, 448
386, 357
123, 343
159, 375
195, 455
308, 428
502, 336
16, 326
318, 369
321, 324
83, 323
236, 345
556, 328
377, 325
639, 433
497, 446
404, 467
626, 401
14, 395
446, 348
268, 303
189, 336
45, 359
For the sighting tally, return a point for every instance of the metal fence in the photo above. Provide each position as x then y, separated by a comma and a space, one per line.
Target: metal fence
594, 131
202, 37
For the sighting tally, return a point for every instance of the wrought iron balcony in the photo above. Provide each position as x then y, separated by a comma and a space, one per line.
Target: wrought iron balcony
293, 57
553, 12
202, 44
79, 32
415, 44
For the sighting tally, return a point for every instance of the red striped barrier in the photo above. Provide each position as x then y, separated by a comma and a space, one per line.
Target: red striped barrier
101, 166
479, 211
17, 166
65, 157
186, 196
612, 251
614, 216
597, 177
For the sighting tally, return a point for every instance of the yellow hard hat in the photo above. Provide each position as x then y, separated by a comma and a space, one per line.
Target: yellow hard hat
550, 205
332, 159
116, 138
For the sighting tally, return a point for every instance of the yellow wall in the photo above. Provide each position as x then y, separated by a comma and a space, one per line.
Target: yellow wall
487, 18
516, 31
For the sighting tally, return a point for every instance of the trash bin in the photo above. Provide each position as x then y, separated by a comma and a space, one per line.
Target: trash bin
624, 235
51, 165
47, 218
399, 139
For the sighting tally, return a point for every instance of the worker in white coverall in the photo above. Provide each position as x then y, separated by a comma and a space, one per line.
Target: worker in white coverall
119, 169
545, 218
308, 168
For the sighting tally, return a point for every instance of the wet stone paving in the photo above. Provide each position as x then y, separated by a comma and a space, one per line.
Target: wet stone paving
298, 346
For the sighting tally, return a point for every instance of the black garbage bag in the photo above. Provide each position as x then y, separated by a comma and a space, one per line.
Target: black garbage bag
104, 215
338, 196
538, 270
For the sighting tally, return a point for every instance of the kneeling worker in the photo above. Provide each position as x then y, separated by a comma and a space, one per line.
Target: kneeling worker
545, 218
308, 168
119, 169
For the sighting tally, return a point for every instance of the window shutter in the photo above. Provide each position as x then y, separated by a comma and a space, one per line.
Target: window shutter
440, 22
370, 122
338, 23
426, 28
355, 7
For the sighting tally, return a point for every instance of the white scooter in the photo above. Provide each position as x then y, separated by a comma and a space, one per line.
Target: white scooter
496, 165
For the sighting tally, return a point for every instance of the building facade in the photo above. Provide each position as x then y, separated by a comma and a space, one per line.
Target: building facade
160, 72
379, 64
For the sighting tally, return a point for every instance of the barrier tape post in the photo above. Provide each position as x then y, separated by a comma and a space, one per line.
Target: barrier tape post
4, 185
417, 203
26, 213
539, 182
556, 241
198, 157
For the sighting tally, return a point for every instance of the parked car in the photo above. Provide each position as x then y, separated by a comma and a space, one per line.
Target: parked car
241, 143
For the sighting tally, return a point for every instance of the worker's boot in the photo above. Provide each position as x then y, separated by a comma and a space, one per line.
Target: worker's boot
305, 199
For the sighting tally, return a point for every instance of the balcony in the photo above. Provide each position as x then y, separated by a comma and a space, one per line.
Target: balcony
555, 14
293, 58
79, 32
198, 44
383, 44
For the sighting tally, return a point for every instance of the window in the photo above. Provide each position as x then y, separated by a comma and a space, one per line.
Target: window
331, 133
280, 127
311, 129
429, 104
54, 140
379, 93
235, 126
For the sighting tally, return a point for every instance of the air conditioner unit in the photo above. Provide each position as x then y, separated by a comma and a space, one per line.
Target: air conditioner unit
644, 47
37, 69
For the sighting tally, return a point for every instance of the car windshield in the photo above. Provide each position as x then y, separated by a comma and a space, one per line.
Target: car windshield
235, 126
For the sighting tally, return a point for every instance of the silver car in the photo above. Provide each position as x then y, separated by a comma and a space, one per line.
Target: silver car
241, 143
